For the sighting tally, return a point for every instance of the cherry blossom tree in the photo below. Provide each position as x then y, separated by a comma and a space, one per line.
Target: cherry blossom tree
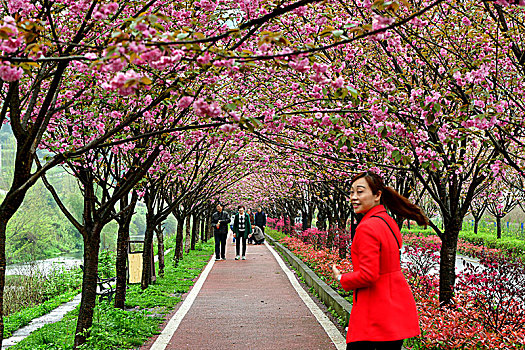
500, 204
477, 209
342, 83
502, 197
101, 192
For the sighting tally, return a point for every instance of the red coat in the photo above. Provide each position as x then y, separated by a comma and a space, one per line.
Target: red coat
384, 308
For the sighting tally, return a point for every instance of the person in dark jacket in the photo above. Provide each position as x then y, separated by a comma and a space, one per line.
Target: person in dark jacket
383, 311
219, 221
242, 229
260, 221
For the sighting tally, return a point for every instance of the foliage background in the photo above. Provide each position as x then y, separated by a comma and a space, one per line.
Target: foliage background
39, 230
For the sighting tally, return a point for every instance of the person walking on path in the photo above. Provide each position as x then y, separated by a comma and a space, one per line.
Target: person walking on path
384, 311
242, 229
260, 221
220, 221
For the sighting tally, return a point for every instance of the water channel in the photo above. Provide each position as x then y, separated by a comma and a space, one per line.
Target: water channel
68, 261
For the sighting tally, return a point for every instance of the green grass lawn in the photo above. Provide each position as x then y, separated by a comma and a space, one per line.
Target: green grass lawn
130, 328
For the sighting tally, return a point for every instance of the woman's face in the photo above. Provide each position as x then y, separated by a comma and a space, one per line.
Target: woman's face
362, 197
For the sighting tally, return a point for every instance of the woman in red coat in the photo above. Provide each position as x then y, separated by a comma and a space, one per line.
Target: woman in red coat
384, 311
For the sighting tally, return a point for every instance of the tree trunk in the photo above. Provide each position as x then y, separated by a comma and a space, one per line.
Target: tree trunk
194, 231
160, 245
353, 225
8, 208
122, 250
331, 222
291, 224
26, 141
304, 219
187, 239
147, 253
329, 239
208, 227
120, 265
178, 241
89, 284
400, 220
3, 227
204, 237
447, 266
339, 219
321, 219
476, 223
498, 226
310, 218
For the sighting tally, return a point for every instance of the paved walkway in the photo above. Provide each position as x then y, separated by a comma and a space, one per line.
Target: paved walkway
251, 304
52, 317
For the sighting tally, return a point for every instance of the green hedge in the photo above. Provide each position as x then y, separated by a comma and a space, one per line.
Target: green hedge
277, 235
513, 246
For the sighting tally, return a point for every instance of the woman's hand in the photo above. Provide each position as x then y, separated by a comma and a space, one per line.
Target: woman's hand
335, 272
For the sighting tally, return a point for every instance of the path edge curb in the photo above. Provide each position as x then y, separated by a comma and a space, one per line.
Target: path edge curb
326, 293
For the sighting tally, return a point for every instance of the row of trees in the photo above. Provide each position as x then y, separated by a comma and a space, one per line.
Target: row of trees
432, 101
106, 87
39, 230
329, 200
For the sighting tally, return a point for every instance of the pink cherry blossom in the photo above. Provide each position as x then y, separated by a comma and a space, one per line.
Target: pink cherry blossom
10, 73
185, 102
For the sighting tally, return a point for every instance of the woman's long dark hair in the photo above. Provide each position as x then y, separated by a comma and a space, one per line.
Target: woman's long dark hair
391, 199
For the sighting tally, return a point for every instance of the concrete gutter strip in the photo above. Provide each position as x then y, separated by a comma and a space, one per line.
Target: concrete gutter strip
327, 295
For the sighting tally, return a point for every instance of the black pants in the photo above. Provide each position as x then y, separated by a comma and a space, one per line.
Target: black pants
375, 345
238, 244
220, 245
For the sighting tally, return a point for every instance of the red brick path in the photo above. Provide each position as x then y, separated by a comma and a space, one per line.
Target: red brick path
249, 305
